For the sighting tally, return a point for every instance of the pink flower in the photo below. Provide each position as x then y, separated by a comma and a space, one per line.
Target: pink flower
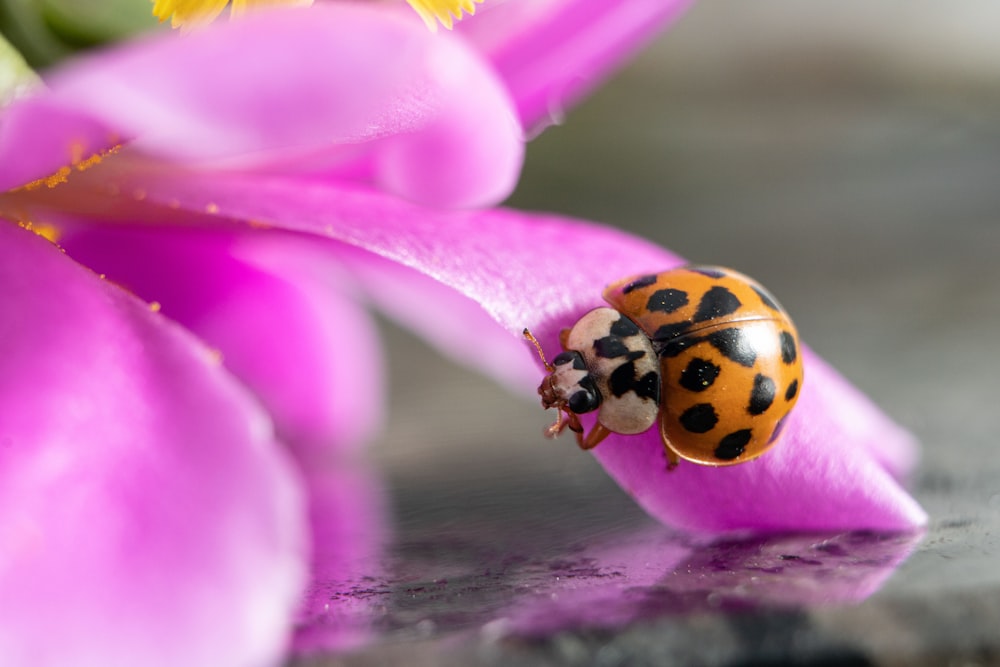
252, 181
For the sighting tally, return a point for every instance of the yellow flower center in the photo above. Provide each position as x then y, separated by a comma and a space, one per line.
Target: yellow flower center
189, 13
445, 11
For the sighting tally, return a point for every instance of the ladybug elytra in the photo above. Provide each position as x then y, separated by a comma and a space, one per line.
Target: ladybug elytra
705, 352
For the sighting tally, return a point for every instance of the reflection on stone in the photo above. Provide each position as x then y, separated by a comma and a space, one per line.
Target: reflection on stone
448, 582
348, 518
729, 574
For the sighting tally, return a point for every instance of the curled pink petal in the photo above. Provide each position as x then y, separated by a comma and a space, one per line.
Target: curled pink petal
821, 477
275, 310
346, 90
442, 315
551, 52
138, 483
543, 273
864, 422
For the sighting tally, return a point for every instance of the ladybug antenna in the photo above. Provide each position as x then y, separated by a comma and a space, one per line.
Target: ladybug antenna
538, 347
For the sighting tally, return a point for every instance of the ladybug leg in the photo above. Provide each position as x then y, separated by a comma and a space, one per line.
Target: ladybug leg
672, 459
594, 438
564, 420
573, 422
556, 428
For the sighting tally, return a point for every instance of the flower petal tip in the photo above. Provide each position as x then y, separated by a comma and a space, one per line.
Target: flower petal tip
814, 479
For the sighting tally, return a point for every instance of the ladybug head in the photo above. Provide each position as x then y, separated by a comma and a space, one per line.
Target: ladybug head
569, 386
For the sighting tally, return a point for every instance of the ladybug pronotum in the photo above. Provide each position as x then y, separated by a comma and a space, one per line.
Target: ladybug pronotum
703, 351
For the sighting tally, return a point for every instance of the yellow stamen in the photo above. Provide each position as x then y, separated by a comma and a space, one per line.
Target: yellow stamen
76, 161
58, 178
45, 230
445, 11
189, 13
239, 7
186, 14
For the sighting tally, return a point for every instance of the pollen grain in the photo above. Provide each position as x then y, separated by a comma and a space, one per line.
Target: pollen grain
77, 161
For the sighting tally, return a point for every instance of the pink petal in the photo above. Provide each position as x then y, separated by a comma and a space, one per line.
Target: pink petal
551, 52
147, 517
344, 89
440, 314
275, 310
822, 477
349, 526
543, 272
38, 137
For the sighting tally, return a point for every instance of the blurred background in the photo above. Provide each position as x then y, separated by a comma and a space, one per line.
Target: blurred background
847, 155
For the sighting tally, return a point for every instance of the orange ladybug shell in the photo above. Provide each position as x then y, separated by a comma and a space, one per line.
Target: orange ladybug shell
729, 359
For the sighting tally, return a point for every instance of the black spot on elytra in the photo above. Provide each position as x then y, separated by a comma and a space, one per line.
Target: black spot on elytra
624, 327
700, 418
670, 331
677, 345
732, 445
766, 298
639, 283
733, 344
648, 386
667, 300
762, 394
793, 389
708, 271
699, 375
788, 350
716, 302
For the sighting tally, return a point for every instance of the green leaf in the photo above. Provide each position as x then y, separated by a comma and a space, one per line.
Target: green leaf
22, 24
49, 31
16, 78
92, 22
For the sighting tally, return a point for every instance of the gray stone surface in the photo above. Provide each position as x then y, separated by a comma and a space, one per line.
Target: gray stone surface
860, 184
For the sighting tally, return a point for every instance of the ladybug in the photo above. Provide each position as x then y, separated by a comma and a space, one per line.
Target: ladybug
704, 351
